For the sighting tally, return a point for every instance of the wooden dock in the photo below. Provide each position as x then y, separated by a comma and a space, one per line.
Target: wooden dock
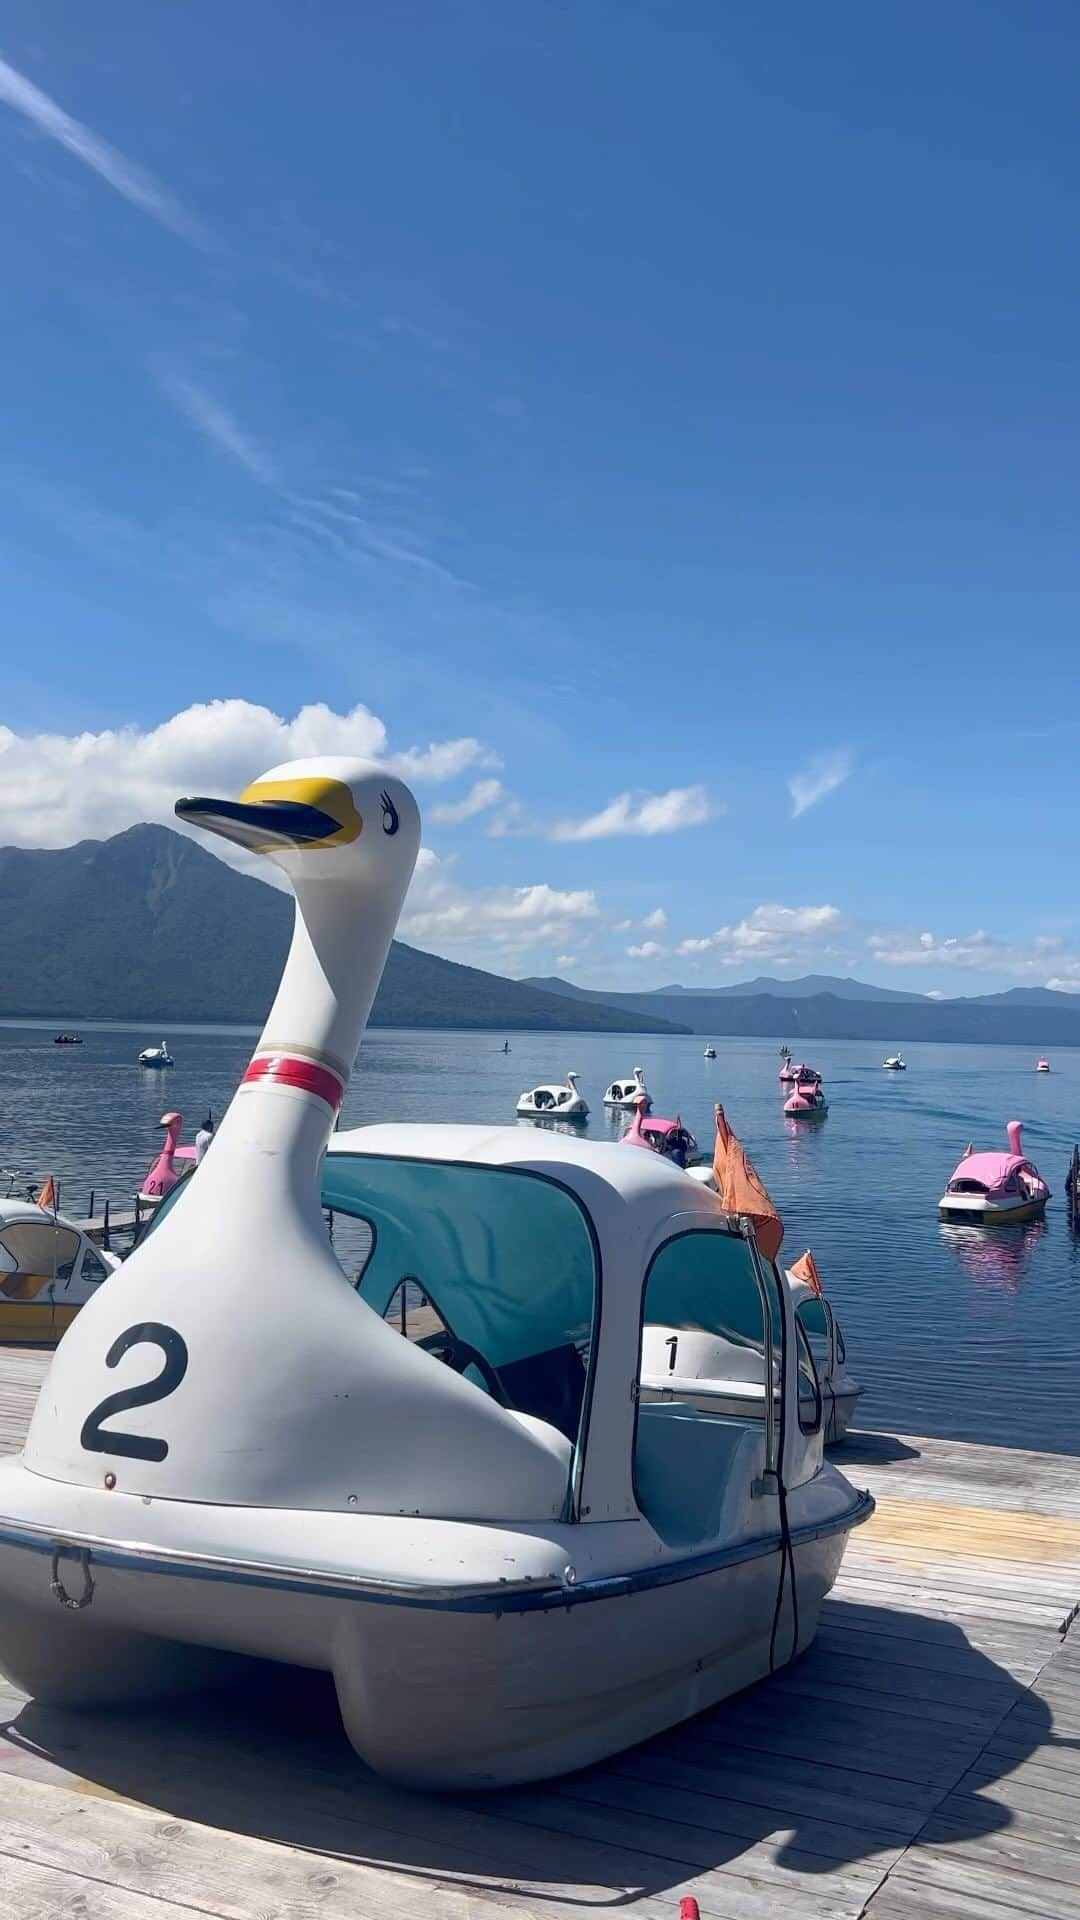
921, 1762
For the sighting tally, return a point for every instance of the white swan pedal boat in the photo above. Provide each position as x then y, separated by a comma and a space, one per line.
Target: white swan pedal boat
623, 1093
235, 1452
158, 1056
725, 1374
557, 1102
49, 1268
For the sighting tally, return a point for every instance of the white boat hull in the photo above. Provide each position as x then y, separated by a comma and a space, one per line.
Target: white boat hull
577, 1110
546, 1678
976, 1210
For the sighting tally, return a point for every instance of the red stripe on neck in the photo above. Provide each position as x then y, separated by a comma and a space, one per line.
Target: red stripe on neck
287, 1070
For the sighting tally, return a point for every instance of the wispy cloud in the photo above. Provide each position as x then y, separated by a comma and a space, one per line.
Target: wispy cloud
216, 424
648, 814
1044, 960
443, 913
648, 950
485, 794
353, 533
776, 933
821, 775
132, 182
443, 759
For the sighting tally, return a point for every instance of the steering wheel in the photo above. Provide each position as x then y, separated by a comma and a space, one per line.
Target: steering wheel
459, 1355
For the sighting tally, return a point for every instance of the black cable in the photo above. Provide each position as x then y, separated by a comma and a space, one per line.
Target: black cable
787, 1551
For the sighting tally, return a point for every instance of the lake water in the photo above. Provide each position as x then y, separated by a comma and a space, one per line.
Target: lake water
955, 1330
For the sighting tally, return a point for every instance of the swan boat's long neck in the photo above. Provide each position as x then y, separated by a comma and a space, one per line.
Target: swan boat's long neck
340, 941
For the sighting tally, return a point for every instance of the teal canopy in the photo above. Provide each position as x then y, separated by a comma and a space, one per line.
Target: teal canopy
505, 1256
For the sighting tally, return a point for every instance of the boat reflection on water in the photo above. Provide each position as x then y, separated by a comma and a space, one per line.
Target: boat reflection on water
998, 1259
803, 1139
548, 1124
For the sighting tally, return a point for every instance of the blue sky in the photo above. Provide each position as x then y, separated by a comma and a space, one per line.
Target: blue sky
660, 422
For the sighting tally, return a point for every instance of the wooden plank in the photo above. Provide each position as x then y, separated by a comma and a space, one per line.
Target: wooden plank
237, 1878
33, 1892
935, 1528
789, 1787
681, 1805
780, 1858
943, 1877
930, 1697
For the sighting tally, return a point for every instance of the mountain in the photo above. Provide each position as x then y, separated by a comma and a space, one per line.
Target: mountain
828, 1016
811, 986
807, 987
1030, 997
149, 926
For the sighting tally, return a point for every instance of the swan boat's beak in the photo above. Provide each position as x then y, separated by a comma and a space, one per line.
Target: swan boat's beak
274, 815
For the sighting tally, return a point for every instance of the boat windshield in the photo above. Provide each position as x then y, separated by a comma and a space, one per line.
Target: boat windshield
505, 1258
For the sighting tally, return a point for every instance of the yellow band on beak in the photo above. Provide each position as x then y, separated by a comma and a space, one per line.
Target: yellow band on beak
330, 797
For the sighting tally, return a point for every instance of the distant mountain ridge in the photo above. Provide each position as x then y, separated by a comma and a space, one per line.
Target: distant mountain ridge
810, 986
807, 987
1008, 1019
148, 925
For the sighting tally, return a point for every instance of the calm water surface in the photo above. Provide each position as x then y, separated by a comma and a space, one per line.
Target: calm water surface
955, 1330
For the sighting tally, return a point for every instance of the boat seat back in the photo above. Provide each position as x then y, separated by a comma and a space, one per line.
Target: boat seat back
686, 1353
550, 1386
693, 1472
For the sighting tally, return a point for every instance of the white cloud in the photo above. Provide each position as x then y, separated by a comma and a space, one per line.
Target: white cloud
656, 921
132, 182
565, 960
485, 794
648, 814
59, 788
776, 933
217, 425
506, 821
821, 775
1042, 961
648, 950
441, 913
442, 759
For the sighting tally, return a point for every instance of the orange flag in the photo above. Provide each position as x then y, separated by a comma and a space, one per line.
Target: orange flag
741, 1190
806, 1269
47, 1197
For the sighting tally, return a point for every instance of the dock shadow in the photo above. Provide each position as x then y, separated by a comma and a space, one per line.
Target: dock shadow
864, 1448
838, 1760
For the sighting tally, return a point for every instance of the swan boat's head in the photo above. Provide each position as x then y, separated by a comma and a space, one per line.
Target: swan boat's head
325, 819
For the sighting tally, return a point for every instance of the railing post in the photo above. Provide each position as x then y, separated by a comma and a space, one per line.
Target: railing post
105, 1234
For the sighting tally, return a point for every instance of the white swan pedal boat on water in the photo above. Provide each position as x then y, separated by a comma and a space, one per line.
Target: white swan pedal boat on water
623, 1093
158, 1056
560, 1102
510, 1568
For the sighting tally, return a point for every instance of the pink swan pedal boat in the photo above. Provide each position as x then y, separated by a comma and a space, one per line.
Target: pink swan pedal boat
173, 1164
669, 1138
806, 1097
995, 1189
